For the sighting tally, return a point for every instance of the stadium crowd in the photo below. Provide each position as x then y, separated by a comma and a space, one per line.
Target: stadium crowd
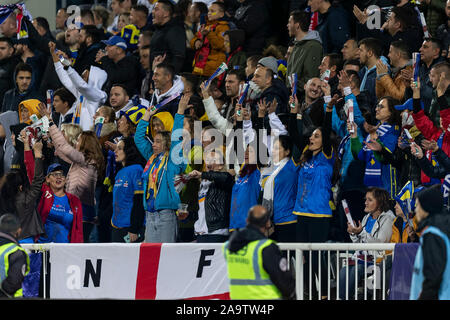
166, 121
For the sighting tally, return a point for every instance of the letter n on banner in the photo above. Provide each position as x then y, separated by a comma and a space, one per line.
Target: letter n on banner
148, 270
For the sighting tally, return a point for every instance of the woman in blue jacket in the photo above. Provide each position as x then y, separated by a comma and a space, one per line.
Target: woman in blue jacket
128, 211
384, 136
165, 161
312, 204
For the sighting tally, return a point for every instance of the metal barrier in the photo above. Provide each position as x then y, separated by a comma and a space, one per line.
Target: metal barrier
336, 256
370, 278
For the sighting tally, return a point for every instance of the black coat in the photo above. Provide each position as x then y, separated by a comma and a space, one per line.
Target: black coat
126, 72
218, 199
169, 39
7, 67
253, 17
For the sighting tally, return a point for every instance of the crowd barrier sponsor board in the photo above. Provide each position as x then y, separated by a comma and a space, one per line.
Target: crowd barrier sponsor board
137, 271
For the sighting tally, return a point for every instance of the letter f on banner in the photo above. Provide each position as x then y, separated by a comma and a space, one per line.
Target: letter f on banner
203, 262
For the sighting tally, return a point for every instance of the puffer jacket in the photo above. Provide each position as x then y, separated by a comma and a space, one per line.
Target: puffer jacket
216, 46
218, 199
82, 175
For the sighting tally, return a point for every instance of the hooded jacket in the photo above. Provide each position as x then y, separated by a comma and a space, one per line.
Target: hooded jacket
32, 106
166, 119
237, 58
214, 40
13, 97
92, 93
8, 119
176, 90
167, 197
305, 59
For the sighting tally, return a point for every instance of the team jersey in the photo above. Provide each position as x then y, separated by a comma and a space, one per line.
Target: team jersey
128, 183
59, 222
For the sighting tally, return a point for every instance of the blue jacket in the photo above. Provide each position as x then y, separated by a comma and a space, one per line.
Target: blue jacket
314, 187
167, 197
340, 127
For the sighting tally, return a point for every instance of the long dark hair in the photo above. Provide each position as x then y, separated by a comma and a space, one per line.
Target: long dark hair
132, 154
395, 118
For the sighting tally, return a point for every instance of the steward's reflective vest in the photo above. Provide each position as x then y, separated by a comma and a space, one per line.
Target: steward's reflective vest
418, 278
248, 279
5, 251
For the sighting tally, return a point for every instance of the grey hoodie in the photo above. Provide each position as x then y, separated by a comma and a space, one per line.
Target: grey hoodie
305, 59
8, 119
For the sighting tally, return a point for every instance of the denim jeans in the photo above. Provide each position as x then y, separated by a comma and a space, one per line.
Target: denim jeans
351, 281
161, 226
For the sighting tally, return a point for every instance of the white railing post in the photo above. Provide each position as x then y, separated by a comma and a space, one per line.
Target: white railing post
299, 273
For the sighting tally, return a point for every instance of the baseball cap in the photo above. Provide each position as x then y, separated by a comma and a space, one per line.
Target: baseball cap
116, 41
269, 62
54, 167
407, 105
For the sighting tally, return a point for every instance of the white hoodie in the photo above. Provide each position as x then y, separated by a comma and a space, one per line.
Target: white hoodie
177, 88
93, 95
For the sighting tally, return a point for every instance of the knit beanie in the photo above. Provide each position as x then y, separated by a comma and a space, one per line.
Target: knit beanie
431, 199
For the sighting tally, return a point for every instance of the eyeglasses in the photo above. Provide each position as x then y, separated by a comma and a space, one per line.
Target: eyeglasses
57, 174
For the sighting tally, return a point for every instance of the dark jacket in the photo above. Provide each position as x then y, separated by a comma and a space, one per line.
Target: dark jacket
126, 72
169, 39
237, 58
17, 261
252, 16
13, 98
435, 255
271, 256
313, 117
218, 199
26, 202
334, 28
7, 67
86, 57
278, 91
439, 171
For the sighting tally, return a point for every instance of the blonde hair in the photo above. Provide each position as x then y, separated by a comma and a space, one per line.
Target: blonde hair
71, 132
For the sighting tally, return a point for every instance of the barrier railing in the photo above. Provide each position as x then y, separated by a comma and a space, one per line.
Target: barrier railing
322, 270
337, 256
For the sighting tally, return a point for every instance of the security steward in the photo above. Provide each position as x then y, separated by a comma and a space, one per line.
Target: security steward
256, 268
14, 260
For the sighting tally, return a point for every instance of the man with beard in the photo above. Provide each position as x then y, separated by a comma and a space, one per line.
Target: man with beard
89, 44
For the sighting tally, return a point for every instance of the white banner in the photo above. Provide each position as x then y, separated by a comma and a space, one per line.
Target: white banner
93, 271
189, 271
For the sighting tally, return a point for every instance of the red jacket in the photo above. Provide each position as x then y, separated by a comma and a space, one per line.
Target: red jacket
46, 203
430, 132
